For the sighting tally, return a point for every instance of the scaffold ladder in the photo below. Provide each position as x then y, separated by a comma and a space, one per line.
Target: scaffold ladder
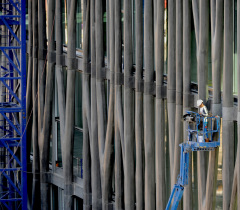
13, 164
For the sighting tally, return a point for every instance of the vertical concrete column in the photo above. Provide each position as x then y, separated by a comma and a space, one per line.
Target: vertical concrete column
46, 120
217, 38
187, 196
36, 165
238, 70
203, 49
228, 126
202, 69
100, 87
59, 71
42, 47
171, 85
179, 88
149, 141
108, 155
139, 106
70, 101
108, 151
101, 104
201, 22
59, 75
129, 175
86, 109
95, 163
119, 136
29, 102
108, 34
160, 118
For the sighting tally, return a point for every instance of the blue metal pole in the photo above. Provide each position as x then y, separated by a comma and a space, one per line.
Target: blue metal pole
23, 97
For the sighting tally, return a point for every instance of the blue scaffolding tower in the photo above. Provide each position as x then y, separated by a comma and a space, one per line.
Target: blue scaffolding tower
13, 164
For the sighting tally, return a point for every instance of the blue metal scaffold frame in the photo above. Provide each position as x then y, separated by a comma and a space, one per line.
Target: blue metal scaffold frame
13, 159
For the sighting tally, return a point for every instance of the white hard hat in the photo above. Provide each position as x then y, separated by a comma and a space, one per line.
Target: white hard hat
199, 102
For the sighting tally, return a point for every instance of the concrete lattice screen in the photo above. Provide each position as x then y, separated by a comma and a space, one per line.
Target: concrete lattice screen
130, 124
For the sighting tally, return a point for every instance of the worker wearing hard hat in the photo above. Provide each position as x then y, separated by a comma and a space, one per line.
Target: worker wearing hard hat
204, 112
203, 109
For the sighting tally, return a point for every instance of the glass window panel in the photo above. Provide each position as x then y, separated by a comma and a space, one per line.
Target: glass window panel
134, 34
78, 203
77, 153
27, 21
61, 198
78, 144
56, 90
165, 38
50, 147
78, 100
54, 197
235, 75
64, 21
235, 140
122, 25
105, 27
193, 57
79, 20
59, 152
210, 60
56, 99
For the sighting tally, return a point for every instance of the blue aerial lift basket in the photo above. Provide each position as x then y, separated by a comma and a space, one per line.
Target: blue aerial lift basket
203, 135
13, 164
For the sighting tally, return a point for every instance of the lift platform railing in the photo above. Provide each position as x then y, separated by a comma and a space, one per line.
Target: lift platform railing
201, 126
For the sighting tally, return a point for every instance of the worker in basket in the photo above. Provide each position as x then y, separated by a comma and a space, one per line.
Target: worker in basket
203, 112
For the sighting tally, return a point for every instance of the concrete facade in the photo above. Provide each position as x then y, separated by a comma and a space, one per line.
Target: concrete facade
108, 83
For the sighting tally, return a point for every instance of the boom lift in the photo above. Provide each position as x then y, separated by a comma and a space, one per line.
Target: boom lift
199, 128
